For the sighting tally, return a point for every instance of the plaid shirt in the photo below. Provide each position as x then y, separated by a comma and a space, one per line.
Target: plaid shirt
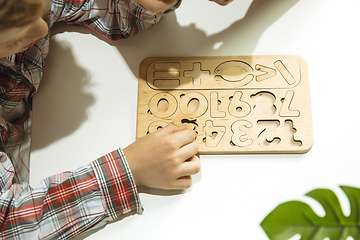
70, 203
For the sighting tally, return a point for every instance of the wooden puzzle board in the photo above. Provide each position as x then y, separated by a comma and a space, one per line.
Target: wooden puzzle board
236, 104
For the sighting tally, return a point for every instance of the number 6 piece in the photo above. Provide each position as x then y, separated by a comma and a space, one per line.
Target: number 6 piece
236, 104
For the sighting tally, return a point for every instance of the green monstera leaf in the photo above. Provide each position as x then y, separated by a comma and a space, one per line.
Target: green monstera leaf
295, 217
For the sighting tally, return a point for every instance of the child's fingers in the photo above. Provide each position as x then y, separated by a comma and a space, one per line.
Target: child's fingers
178, 135
183, 182
189, 150
169, 129
190, 167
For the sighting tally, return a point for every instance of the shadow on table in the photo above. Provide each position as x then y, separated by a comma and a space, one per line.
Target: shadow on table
168, 38
60, 105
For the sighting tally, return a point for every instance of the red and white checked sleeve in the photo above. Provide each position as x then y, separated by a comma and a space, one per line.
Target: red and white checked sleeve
114, 19
68, 204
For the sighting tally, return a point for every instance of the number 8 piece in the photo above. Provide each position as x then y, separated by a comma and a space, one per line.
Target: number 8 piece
236, 104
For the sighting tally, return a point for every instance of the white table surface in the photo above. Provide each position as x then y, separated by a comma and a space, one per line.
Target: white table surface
87, 103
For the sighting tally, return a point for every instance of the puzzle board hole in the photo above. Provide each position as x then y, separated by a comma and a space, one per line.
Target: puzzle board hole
193, 104
234, 73
214, 134
268, 137
163, 105
289, 132
191, 124
264, 103
187, 121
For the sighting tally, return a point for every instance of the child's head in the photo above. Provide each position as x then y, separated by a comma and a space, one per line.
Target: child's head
20, 24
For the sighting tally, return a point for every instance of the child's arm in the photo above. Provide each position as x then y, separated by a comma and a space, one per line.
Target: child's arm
113, 19
165, 159
70, 203
67, 204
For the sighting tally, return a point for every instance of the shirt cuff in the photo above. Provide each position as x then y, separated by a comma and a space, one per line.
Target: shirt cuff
119, 192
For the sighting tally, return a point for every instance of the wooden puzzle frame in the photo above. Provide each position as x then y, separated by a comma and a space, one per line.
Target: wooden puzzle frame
236, 104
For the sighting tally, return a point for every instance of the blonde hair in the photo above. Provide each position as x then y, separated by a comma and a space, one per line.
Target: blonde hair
20, 13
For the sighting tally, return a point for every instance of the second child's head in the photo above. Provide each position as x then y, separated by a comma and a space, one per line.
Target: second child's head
21, 24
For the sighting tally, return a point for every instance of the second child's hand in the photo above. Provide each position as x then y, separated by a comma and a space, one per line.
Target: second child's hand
222, 2
158, 6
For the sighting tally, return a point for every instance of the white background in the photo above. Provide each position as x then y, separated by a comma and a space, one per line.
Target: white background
87, 103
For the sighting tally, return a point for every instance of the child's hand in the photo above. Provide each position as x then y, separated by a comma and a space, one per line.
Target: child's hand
156, 6
222, 2
164, 159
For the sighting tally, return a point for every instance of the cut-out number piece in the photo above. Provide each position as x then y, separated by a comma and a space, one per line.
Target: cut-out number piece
213, 134
197, 74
